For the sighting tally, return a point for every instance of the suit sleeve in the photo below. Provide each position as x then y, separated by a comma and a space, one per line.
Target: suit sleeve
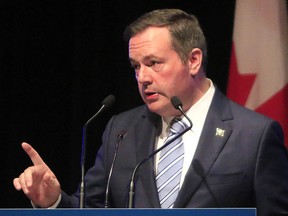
271, 174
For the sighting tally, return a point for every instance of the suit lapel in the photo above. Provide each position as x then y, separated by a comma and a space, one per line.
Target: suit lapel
214, 136
146, 131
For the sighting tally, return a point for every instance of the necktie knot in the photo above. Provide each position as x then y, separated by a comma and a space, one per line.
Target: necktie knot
177, 125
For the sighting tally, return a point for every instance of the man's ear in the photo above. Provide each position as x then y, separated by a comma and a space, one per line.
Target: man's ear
195, 61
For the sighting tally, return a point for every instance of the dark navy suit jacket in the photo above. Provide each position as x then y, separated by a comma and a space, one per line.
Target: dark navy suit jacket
240, 161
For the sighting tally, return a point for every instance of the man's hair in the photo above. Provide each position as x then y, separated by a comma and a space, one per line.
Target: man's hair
185, 31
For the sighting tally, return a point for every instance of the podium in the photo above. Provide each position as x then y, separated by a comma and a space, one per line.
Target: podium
129, 212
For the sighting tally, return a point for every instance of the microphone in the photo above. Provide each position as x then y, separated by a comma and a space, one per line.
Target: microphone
106, 103
119, 139
177, 104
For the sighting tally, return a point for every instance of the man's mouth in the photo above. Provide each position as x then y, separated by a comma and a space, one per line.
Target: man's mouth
150, 94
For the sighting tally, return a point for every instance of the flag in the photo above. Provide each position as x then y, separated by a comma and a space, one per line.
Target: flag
258, 76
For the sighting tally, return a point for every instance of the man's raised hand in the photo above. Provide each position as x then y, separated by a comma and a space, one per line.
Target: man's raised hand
38, 182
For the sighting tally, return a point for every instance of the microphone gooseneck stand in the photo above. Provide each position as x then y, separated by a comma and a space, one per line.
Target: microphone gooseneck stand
119, 139
107, 102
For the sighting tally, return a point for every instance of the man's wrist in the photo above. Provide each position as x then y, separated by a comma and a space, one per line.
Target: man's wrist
55, 205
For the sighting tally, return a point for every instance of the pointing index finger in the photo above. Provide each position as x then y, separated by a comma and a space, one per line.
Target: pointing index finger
33, 154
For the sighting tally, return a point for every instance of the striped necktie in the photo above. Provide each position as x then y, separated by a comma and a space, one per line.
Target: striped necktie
170, 166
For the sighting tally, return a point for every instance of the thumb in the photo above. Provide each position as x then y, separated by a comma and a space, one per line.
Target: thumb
51, 180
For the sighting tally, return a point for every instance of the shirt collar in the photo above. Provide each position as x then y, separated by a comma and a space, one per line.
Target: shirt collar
197, 113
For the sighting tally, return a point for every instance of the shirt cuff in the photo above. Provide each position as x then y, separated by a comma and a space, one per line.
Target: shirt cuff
54, 206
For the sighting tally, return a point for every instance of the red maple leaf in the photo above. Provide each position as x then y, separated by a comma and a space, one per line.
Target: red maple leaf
239, 85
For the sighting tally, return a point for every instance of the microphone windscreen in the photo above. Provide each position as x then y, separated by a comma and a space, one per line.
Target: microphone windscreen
109, 100
176, 102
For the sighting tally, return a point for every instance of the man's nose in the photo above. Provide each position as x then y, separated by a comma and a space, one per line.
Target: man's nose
144, 75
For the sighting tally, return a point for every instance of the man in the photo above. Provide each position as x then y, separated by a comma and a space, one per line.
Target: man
233, 157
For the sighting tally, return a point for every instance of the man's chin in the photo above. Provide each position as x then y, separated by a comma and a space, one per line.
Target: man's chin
165, 111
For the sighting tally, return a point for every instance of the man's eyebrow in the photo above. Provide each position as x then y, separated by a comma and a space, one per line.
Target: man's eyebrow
144, 59
132, 61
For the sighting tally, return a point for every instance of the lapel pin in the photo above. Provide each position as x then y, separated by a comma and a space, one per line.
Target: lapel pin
220, 132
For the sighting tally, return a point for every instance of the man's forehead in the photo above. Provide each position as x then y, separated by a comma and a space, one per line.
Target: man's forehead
147, 42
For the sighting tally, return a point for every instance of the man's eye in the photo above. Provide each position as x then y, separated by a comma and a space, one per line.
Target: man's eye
152, 63
135, 67
156, 65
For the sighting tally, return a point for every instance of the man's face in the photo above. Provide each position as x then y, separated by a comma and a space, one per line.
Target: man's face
159, 71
